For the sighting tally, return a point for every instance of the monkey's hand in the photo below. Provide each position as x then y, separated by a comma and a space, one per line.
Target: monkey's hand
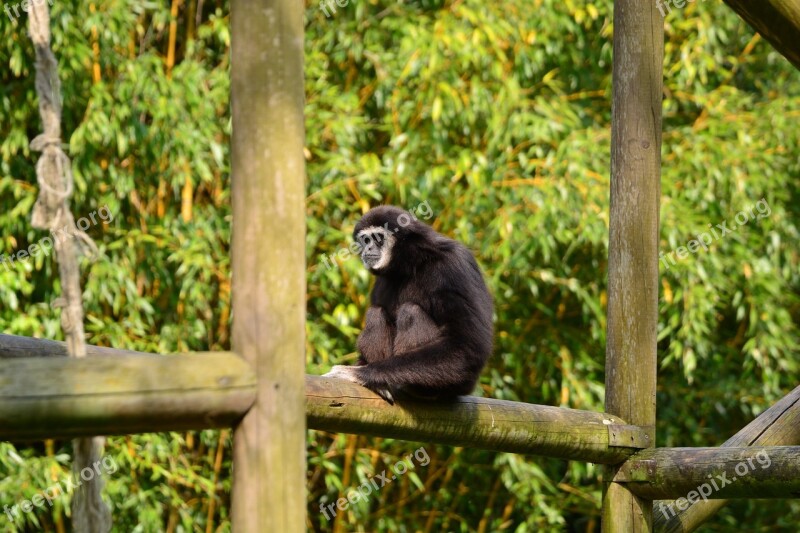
352, 373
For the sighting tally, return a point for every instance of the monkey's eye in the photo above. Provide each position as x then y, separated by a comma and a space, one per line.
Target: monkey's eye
371, 239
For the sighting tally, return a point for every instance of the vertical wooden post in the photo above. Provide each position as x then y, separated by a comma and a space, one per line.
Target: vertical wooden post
633, 240
268, 261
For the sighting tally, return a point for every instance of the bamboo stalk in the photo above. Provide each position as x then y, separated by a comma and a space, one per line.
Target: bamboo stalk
173, 32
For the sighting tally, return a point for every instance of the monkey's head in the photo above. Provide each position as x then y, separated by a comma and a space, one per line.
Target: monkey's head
386, 235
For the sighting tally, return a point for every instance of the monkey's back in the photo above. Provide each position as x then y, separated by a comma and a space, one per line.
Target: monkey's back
450, 288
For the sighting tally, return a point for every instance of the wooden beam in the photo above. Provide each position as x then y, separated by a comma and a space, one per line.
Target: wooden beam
16, 346
633, 241
777, 426
778, 21
268, 261
696, 474
331, 405
341, 406
106, 395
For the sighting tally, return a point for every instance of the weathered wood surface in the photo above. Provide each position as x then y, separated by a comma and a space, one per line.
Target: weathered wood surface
331, 405
341, 406
777, 426
633, 240
106, 395
713, 473
16, 346
778, 21
268, 261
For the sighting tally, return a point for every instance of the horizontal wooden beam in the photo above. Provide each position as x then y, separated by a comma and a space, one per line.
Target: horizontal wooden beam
115, 391
340, 406
121, 394
777, 20
777, 426
713, 473
12, 346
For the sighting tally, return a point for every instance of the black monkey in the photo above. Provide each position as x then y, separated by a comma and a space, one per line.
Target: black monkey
429, 330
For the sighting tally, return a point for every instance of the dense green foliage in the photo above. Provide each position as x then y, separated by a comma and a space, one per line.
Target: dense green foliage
495, 114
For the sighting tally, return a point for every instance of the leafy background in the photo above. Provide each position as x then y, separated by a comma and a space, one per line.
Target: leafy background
497, 115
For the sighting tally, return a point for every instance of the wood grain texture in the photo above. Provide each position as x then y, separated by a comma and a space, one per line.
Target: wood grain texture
17, 346
105, 395
341, 406
331, 405
777, 426
778, 21
746, 472
633, 239
268, 261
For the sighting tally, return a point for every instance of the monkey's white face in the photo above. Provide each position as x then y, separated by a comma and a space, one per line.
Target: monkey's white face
376, 247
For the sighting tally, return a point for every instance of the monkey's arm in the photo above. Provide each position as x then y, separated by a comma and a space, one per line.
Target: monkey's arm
434, 361
428, 361
414, 329
375, 342
436, 370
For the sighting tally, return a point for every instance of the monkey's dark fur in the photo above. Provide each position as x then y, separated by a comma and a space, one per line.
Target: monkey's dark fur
429, 330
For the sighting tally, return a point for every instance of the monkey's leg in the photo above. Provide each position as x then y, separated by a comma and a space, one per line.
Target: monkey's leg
438, 366
414, 329
442, 369
375, 342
